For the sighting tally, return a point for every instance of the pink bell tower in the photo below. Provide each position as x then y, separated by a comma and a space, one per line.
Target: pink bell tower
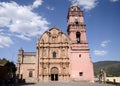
81, 67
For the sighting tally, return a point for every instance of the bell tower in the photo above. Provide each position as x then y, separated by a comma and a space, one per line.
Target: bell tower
81, 67
76, 27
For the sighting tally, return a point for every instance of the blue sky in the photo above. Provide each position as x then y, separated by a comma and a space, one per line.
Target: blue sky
23, 21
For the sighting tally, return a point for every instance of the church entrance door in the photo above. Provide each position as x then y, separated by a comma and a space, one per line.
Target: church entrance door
54, 74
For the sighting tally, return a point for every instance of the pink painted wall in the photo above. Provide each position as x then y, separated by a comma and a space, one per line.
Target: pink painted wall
81, 64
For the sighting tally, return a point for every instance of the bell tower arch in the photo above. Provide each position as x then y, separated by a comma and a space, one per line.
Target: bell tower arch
81, 67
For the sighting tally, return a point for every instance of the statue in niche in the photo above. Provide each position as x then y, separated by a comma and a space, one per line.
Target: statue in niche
45, 70
44, 52
64, 70
53, 40
44, 66
63, 52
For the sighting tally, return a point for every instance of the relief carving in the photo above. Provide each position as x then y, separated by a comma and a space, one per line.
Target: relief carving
54, 36
42, 41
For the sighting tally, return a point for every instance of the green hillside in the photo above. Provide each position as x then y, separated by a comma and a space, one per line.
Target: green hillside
112, 68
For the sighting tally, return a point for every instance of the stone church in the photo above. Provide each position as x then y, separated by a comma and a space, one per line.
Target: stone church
59, 56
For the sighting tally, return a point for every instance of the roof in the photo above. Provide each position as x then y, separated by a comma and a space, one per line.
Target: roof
29, 53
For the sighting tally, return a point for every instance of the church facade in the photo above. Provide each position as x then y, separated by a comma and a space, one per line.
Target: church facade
59, 56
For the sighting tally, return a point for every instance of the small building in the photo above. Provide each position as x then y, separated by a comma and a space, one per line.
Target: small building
113, 79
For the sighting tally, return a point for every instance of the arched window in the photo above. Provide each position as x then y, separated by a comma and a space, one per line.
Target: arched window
78, 37
54, 54
30, 73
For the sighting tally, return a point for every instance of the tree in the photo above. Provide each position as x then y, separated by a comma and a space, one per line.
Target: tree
10, 67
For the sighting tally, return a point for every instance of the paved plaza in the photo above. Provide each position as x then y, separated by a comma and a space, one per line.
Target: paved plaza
65, 84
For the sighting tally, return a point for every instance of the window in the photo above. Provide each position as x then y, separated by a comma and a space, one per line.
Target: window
76, 22
54, 54
80, 73
78, 37
30, 73
79, 55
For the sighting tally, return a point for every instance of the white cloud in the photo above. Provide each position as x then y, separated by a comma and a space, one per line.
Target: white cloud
23, 37
21, 20
100, 52
1, 32
114, 0
50, 8
105, 43
37, 3
5, 41
85, 4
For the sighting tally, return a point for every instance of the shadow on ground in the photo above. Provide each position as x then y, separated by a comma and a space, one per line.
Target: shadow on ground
21, 84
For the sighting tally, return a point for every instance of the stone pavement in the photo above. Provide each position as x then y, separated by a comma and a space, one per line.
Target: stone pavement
65, 84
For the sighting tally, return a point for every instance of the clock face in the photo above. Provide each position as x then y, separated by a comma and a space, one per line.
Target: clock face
76, 18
